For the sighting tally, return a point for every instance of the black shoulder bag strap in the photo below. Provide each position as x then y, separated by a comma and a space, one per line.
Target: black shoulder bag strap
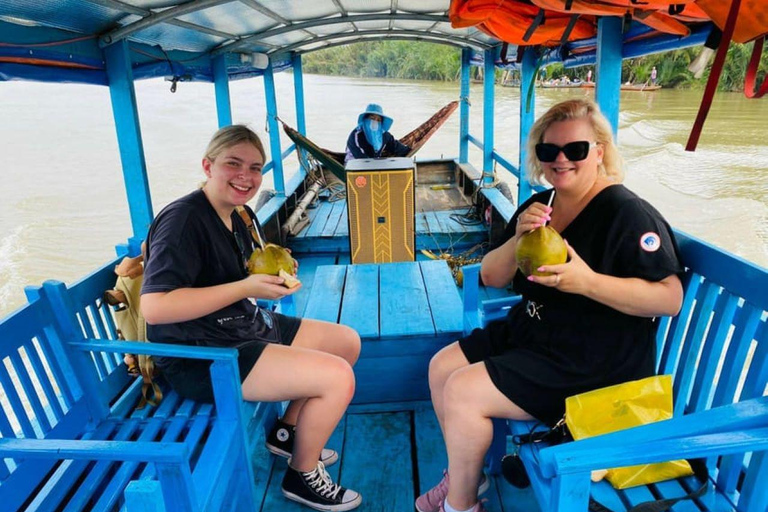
701, 473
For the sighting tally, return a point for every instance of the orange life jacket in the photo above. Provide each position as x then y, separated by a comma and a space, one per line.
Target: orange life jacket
519, 22
752, 21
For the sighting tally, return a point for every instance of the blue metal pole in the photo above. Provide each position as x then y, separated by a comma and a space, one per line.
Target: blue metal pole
527, 114
489, 84
298, 91
120, 76
608, 83
466, 55
274, 129
221, 84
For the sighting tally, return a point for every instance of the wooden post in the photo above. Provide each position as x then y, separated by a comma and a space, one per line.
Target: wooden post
489, 85
466, 55
120, 77
221, 83
527, 114
274, 129
608, 83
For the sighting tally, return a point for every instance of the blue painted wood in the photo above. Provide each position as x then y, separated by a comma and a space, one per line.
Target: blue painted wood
609, 46
298, 93
466, 55
404, 305
125, 112
360, 309
307, 267
221, 88
444, 300
381, 471
527, 102
319, 220
334, 217
343, 227
489, 95
326, 305
141, 496
274, 129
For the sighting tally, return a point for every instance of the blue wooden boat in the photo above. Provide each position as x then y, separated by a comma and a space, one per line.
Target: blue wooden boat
72, 436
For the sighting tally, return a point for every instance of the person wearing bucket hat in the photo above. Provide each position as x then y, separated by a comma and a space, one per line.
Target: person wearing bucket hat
371, 137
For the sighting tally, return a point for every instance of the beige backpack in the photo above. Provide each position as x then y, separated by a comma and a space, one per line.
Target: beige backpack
124, 298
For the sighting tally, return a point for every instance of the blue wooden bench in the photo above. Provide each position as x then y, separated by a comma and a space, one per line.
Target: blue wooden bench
717, 351
72, 438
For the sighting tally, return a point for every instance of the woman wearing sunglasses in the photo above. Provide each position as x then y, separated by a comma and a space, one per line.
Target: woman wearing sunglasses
588, 325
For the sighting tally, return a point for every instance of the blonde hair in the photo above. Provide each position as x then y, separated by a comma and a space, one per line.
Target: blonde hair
611, 165
230, 136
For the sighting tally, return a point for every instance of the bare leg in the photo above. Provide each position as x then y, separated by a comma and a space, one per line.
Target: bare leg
442, 365
326, 383
470, 401
334, 339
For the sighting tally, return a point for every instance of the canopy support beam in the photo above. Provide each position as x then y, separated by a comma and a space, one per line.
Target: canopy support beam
609, 48
298, 92
466, 56
274, 130
527, 111
126, 114
221, 85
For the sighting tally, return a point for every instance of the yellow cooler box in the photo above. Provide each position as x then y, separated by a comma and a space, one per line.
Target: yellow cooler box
380, 205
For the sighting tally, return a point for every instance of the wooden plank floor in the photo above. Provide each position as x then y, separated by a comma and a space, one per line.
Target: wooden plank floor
328, 230
389, 453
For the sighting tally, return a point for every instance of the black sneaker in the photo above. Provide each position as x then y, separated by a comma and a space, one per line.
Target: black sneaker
315, 489
280, 442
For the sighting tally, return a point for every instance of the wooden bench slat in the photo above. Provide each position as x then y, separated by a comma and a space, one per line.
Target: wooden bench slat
17, 407
360, 309
748, 320
60, 367
326, 305
40, 418
700, 321
431, 457
342, 229
404, 308
714, 348
43, 378
678, 326
319, 220
337, 209
444, 299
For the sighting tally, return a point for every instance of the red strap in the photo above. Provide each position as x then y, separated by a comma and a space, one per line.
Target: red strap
714, 77
754, 63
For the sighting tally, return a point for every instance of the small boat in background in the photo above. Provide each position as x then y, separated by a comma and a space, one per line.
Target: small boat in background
640, 87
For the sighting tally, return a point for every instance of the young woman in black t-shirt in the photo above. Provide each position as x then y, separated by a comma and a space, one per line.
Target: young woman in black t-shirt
588, 325
197, 291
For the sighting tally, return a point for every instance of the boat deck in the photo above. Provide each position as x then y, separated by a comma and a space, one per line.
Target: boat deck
328, 230
389, 453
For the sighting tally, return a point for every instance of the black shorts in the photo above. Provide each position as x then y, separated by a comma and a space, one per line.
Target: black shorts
192, 378
523, 376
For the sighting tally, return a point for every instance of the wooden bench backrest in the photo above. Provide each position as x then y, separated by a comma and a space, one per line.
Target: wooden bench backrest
717, 349
39, 398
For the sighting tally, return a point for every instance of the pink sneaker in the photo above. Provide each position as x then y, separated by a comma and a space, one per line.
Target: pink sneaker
477, 508
432, 500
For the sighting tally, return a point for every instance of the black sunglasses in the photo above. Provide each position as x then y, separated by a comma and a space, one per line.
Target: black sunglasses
573, 151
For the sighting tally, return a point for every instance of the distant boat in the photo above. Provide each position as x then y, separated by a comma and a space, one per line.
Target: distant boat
629, 87
640, 87
556, 84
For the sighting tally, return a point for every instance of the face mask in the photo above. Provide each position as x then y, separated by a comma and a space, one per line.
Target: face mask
373, 133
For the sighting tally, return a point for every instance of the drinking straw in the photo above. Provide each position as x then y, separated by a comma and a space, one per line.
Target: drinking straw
549, 203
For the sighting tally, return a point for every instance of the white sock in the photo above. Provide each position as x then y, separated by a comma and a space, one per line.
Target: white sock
448, 508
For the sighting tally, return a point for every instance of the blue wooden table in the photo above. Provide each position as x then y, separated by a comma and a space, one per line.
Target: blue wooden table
404, 313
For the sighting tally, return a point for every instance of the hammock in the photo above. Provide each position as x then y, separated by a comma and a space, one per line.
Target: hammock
334, 161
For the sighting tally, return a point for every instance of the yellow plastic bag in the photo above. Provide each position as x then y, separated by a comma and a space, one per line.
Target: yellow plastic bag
620, 407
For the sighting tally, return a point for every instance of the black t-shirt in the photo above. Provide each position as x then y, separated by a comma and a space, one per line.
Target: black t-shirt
617, 234
188, 246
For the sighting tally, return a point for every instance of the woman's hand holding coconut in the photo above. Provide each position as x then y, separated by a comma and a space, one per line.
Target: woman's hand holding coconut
265, 286
571, 277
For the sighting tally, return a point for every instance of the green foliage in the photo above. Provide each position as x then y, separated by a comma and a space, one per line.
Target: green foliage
429, 61
391, 59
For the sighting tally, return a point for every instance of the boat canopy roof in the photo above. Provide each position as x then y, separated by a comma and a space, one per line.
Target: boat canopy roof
62, 40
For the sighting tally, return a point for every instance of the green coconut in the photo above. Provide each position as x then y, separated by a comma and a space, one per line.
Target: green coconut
271, 260
542, 246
